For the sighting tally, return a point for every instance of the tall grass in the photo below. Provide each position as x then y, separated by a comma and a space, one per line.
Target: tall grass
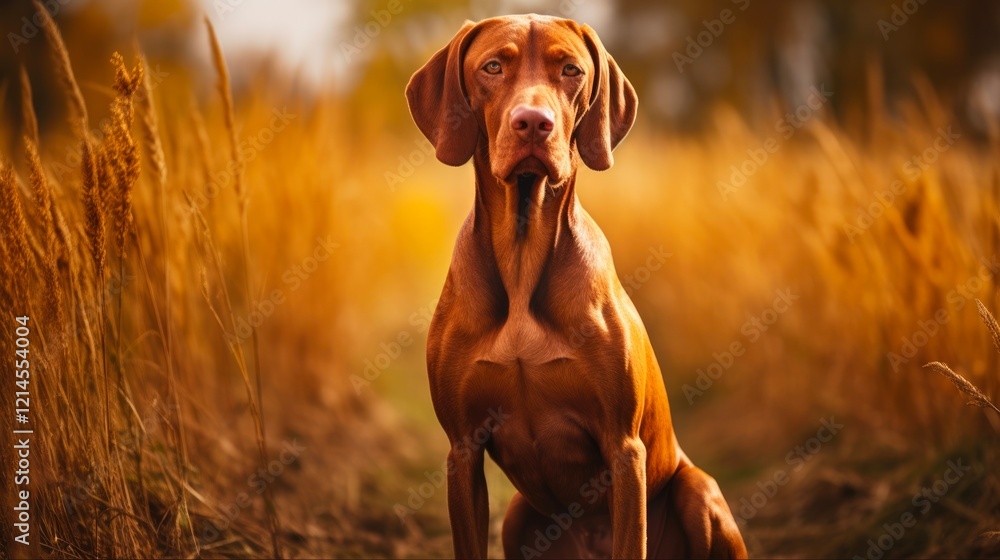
112, 469
140, 267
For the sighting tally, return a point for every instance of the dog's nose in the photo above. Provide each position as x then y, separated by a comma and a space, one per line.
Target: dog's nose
532, 122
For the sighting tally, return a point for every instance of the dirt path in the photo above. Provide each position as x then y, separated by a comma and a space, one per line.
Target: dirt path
369, 483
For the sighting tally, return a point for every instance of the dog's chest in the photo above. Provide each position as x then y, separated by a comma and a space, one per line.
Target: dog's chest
524, 341
550, 456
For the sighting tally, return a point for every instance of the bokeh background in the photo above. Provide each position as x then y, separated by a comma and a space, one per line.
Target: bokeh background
805, 214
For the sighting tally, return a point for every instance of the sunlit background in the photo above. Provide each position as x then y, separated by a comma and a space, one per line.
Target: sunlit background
805, 214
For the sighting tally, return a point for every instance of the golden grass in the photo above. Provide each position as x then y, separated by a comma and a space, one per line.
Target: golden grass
60, 58
128, 267
991, 323
975, 395
28, 109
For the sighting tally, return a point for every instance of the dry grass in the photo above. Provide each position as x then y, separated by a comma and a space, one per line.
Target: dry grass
113, 469
975, 395
143, 273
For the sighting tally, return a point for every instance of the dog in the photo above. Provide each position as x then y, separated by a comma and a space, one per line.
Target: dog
535, 353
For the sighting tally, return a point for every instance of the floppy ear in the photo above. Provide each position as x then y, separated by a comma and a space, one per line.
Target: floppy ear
436, 96
612, 108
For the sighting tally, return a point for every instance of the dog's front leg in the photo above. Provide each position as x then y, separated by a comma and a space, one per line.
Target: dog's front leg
628, 498
468, 501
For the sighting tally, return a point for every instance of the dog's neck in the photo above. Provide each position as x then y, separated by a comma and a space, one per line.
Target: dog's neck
523, 224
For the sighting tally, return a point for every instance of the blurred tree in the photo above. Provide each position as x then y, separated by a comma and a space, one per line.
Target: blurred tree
92, 30
684, 56
776, 49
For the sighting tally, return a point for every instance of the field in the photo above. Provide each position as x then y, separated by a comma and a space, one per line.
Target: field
228, 300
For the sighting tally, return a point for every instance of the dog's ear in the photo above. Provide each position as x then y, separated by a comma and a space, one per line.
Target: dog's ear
612, 108
438, 104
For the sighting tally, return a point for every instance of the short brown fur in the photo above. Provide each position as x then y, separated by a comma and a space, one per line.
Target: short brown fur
534, 338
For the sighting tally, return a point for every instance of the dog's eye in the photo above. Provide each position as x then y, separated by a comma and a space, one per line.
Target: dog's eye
571, 70
492, 67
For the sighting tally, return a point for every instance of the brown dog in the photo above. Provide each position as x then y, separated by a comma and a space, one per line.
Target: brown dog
535, 352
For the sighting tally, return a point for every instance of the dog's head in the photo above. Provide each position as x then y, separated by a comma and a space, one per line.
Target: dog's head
538, 90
